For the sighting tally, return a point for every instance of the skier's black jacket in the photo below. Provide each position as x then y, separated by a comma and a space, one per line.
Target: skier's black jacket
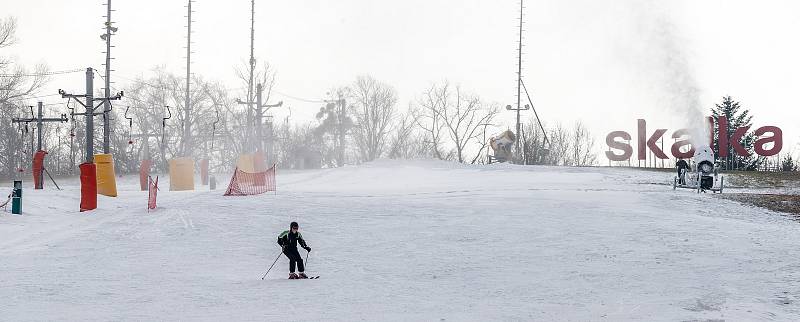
290, 240
681, 164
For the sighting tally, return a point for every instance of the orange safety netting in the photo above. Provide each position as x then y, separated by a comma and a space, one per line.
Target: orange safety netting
152, 192
251, 183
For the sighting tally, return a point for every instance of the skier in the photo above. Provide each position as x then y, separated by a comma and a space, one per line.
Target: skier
288, 241
682, 165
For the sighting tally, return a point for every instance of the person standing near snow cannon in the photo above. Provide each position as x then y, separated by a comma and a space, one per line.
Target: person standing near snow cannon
288, 241
683, 167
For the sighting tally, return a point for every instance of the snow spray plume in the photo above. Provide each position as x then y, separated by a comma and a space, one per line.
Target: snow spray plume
669, 68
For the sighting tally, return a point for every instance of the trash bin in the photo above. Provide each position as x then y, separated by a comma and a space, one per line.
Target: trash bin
16, 198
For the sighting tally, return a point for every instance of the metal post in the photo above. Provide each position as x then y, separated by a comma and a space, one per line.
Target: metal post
89, 116
258, 142
39, 127
342, 131
519, 73
186, 123
40, 184
252, 70
107, 103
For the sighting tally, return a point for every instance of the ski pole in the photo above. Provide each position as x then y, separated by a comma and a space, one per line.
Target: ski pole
309, 252
273, 264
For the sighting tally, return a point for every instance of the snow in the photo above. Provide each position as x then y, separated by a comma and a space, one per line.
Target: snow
405, 241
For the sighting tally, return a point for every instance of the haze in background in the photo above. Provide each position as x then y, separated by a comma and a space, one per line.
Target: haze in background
606, 63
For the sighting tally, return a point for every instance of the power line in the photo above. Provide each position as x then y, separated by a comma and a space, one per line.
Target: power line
28, 97
43, 74
229, 89
299, 98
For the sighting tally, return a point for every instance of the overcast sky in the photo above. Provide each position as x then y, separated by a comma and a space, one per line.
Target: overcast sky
605, 63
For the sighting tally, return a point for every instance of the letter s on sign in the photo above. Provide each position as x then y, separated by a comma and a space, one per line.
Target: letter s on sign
776, 138
626, 149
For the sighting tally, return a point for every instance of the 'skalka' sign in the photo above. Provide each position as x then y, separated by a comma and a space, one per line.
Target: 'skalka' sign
764, 145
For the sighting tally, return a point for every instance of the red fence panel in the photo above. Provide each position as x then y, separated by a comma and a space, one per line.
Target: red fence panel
247, 184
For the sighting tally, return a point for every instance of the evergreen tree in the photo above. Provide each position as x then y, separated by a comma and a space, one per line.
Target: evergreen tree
333, 126
737, 117
788, 164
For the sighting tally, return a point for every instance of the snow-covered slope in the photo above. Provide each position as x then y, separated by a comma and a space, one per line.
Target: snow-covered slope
405, 241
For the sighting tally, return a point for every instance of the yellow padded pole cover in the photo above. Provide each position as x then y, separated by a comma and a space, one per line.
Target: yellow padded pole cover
181, 174
259, 162
245, 163
106, 178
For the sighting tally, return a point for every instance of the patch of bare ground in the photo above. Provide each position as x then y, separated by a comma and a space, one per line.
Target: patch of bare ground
786, 203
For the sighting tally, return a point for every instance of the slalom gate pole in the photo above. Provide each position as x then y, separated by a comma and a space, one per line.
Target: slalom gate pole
273, 264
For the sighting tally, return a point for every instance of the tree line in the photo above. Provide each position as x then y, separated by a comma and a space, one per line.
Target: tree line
360, 121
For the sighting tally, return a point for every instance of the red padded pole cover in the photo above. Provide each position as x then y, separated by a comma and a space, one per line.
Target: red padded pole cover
88, 186
38, 167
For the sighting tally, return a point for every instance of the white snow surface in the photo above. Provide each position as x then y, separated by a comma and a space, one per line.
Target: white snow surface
405, 241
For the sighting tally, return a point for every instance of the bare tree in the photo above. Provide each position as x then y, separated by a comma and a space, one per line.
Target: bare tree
405, 143
534, 143
460, 114
148, 98
373, 111
559, 146
582, 146
430, 121
16, 83
300, 147
265, 75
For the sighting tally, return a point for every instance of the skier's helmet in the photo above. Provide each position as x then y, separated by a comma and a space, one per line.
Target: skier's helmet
293, 225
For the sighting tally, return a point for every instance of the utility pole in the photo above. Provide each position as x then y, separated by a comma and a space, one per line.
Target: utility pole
252, 62
40, 120
89, 106
107, 104
519, 81
187, 125
260, 110
90, 110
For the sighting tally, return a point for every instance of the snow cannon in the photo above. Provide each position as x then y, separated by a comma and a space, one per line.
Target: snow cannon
501, 144
706, 176
704, 159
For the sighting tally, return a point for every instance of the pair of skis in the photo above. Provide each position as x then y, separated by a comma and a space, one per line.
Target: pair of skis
309, 278
276, 260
